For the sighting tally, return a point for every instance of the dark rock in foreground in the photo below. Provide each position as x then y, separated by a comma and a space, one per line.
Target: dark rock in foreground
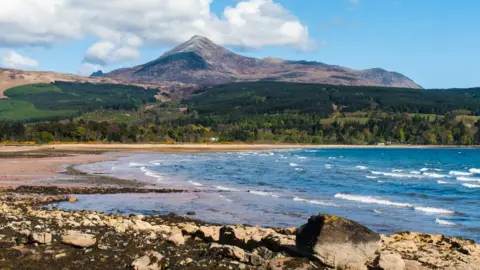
338, 242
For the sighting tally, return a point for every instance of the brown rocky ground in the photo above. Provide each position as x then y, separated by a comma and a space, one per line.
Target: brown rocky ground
34, 237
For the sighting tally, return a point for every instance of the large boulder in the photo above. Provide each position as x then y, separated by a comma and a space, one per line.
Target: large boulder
337, 242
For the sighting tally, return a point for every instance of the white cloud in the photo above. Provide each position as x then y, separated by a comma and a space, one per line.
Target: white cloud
250, 23
38, 22
87, 69
12, 59
105, 53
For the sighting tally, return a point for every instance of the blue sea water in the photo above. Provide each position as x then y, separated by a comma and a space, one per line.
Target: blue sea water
388, 190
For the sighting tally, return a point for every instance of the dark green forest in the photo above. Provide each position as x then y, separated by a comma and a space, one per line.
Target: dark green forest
264, 112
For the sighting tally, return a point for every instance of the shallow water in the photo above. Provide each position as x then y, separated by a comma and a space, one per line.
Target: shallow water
388, 190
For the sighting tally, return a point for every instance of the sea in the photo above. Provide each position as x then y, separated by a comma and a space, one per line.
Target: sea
387, 190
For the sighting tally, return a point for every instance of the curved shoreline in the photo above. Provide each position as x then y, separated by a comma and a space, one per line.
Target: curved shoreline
193, 148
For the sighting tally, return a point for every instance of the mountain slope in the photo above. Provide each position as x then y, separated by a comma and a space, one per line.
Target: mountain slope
200, 61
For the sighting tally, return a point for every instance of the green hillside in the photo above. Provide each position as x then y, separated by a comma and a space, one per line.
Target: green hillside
273, 97
62, 100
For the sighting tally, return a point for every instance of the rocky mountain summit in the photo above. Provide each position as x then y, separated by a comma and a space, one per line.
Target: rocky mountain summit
202, 62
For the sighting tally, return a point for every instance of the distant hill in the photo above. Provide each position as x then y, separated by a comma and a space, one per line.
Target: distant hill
200, 61
97, 73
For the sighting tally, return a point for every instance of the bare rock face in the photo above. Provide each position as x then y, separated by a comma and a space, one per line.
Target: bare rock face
338, 242
432, 251
389, 261
78, 239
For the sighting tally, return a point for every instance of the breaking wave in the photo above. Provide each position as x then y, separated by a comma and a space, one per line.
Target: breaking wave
471, 186
468, 179
373, 200
298, 199
226, 188
458, 173
445, 222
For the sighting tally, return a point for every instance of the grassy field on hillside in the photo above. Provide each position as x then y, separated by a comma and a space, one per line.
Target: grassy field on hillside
19, 110
62, 100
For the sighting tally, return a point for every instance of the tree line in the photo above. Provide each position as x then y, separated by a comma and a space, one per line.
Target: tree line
307, 128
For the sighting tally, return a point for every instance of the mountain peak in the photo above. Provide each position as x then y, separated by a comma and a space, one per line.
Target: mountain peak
197, 44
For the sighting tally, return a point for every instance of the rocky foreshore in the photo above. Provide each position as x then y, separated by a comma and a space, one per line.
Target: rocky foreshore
34, 237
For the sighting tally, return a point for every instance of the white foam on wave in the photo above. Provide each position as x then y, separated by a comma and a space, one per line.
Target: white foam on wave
135, 164
226, 188
397, 170
370, 200
225, 198
443, 183
468, 179
195, 183
397, 175
300, 157
293, 165
150, 173
471, 186
445, 222
432, 210
328, 166
299, 169
458, 173
430, 169
373, 200
317, 202
332, 158
435, 175
263, 193
361, 167
377, 211
474, 171
371, 177
415, 172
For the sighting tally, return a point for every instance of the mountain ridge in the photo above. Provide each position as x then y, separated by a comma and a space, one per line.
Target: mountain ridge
201, 62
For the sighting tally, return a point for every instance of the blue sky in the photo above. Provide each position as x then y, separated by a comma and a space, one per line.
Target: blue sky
435, 43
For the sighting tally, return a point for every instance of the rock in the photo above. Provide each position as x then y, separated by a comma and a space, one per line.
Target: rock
61, 255
338, 242
425, 251
256, 260
191, 213
140, 225
176, 238
186, 261
389, 261
188, 228
72, 199
41, 238
78, 239
211, 233
263, 252
228, 251
278, 263
148, 262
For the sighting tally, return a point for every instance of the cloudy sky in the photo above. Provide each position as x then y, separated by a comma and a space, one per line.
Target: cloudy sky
434, 42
